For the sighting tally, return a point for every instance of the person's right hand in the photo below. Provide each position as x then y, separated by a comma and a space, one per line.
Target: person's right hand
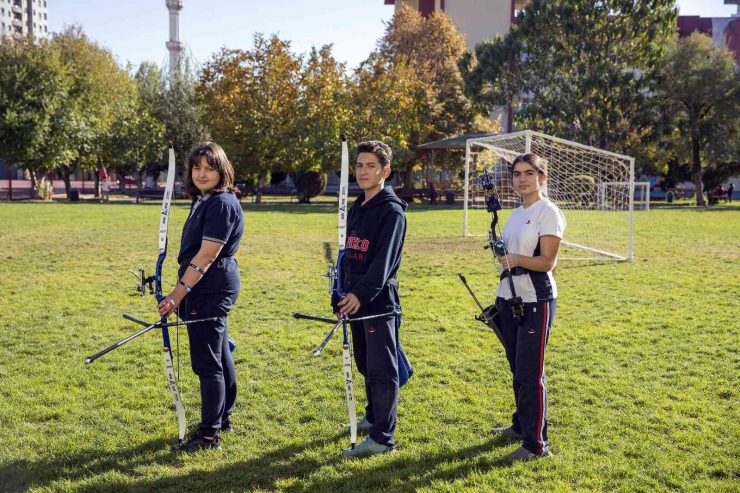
349, 304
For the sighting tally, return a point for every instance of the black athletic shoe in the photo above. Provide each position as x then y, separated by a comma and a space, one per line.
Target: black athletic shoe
198, 443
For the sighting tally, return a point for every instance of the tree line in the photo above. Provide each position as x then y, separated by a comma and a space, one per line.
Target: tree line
614, 74
611, 74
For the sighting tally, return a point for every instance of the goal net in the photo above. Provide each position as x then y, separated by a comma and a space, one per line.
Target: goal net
595, 189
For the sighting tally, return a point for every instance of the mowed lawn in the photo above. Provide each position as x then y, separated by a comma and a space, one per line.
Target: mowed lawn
643, 364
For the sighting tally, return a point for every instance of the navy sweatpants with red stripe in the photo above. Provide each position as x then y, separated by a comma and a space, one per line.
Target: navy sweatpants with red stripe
525, 350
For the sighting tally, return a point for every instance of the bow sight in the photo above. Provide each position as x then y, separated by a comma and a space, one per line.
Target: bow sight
144, 282
488, 181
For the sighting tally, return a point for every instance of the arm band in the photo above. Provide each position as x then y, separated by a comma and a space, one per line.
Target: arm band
197, 269
187, 288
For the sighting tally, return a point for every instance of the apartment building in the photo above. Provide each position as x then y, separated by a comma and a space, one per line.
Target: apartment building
20, 18
479, 20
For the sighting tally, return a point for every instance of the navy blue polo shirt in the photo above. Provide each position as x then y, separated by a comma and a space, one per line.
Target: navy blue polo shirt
215, 217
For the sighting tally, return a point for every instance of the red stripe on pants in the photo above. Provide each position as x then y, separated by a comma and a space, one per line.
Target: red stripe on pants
545, 318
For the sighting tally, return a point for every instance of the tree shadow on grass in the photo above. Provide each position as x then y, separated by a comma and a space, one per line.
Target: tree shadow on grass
20, 475
261, 472
581, 264
410, 474
319, 208
265, 471
709, 210
289, 468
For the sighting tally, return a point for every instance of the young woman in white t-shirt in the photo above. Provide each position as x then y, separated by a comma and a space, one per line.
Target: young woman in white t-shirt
532, 238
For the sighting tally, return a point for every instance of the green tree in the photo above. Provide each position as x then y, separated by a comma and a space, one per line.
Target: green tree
150, 85
388, 102
33, 85
323, 112
136, 141
698, 97
574, 67
96, 86
415, 64
249, 99
178, 107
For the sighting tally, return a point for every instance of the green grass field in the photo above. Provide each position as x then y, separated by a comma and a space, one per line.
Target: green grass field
643, 363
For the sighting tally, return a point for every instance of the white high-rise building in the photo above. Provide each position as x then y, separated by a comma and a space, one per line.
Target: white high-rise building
174, 45
19, 18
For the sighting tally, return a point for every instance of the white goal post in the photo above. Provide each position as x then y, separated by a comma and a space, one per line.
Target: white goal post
643, 196
595, 189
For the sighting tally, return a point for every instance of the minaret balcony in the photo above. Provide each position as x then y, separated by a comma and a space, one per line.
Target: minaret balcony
174, 45
174, 4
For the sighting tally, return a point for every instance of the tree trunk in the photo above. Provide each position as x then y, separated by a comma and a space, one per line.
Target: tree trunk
67, 184
408, 176
696, 168
122, 182
37, 184
260, 183
39, 178
34, 188
602, 129
66, 171
97, 184
137, 177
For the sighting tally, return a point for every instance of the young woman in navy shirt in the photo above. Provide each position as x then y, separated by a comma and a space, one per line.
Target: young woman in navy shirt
532, 237
209, 286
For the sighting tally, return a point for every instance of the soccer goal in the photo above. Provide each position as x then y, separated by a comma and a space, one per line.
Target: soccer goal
595, 189
641, 195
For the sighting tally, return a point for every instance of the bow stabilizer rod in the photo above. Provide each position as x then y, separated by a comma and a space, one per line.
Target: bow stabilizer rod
487, 315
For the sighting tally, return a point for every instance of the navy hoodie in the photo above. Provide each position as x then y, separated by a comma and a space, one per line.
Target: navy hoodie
372, 254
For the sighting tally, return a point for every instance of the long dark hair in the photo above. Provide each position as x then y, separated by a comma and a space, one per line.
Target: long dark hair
216, 158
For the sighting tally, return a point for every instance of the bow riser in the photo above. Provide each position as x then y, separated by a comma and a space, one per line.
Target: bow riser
497, 244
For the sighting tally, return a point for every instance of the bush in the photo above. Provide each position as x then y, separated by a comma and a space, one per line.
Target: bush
309, 185
579, 188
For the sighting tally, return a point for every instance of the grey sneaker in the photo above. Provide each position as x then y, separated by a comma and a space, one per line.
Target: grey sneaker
506, 431
363, 425
366, 448
522, 454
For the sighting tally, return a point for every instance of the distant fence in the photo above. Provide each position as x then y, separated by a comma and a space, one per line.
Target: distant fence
22, 188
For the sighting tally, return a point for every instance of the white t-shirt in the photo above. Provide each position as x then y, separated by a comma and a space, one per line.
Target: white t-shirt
522, 236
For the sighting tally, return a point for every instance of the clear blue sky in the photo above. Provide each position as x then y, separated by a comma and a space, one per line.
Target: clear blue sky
136, 30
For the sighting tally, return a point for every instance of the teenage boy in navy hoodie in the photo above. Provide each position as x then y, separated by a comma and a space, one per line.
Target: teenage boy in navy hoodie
376, 228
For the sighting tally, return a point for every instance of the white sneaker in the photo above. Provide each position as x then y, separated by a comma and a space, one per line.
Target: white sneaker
363, 425
366, 448
506, 431
523, 455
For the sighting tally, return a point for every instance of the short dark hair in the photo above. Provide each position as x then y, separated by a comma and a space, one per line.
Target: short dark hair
381, 150
531, 159
216, 158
